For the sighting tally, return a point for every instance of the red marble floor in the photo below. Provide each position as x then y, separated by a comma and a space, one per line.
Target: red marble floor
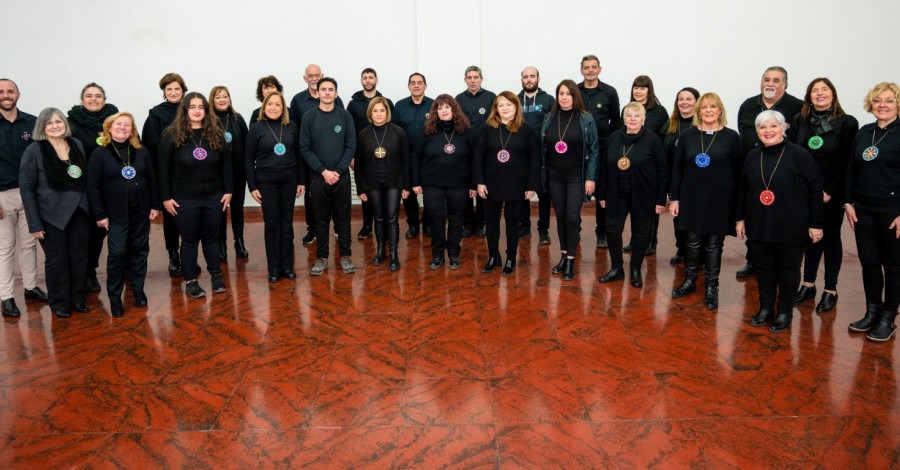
446, 369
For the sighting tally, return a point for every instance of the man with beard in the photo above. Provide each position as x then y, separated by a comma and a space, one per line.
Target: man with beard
301, 103
15, 135
536, 103
410, 114
358, 106
476, 103
773, 96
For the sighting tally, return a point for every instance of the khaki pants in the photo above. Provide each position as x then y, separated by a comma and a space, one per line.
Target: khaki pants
15, 237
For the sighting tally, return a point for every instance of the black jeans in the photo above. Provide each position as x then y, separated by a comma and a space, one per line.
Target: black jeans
331, 202
128, 246
198, 221
236, 207
385, 203
278, 196
543, 212
512, 215
65, 261
830, 245
704, 247
640, 235
777, 273
446, 212
567, 196
879, 255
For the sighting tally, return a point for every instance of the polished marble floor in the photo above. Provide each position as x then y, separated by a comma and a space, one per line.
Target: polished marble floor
446, 369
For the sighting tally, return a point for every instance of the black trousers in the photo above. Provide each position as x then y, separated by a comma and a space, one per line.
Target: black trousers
236, 207
830, 245
198, 221
411, 207
367, 214
567, 195
601, 220
170, 231
309, 213
128, 246
777, 273
385, 203
512, 214
640, 236
704, 247
446, 212
474, 215
278, 198
879, 255
543, 212
680, 237
95, 246
331, 202
65, 261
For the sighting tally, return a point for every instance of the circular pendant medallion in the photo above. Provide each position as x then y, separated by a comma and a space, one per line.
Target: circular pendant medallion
279, 149
74, 172
449, 149
561, 147
623, 163
702, 160
767, 197
99, 140
815, 142
228, 137
870, 153
380, 152
200, 153
128, 172
503, 156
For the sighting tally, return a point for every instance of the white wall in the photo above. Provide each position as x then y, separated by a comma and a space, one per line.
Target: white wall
53, 48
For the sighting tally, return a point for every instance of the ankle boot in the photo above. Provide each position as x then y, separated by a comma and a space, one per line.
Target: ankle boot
223, 251
782, 322
395, 259
569, 269
379, 255
175, 269
240, 249
873, 310
688, 286
712, 297
561, 266
885, 328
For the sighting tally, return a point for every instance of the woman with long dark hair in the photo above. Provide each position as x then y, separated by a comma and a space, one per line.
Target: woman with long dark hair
681, 120
235, 131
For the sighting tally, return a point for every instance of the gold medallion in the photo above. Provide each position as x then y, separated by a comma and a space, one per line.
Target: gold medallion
624, 163
380, 152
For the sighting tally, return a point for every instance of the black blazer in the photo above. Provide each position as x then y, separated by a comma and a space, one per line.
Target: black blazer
43, 204
108, 189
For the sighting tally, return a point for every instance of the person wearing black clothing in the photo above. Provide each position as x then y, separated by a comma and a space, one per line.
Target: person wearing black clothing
682, 119
161, 116
633, 181
536, 103
707, 166
124, 196
382, 175
441, 170
86, 120
602, 101
827, 132
276, 178
507, 170
475, 102
234, 128
779, 209
358, 108
410, 114
772, 96
195, 185
264, 86
327, 144
569, 165
52, 182
872, 204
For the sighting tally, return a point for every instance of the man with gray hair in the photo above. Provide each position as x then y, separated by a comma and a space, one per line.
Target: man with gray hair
15, 135
536, 103
476, 103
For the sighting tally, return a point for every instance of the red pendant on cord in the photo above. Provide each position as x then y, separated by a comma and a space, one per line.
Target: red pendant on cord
767, 197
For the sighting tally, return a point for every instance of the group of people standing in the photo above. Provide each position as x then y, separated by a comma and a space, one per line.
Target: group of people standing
784, 181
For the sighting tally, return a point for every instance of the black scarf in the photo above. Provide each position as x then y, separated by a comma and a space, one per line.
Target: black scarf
819, 121
55, 169
92, 120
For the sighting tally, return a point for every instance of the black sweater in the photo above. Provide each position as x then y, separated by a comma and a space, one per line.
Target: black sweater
788, 106
603, 104
476, 107
161, 116
875, 184
670, 141
263, 164
508, 181
706, 195
327, 140
431, 166
237, 127
648, 174
411, 117
397, 158
797, 184
108, 190
181, 176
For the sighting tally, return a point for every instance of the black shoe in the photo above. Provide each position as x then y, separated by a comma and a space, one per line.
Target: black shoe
413, 232
885, 328
379, 255
394, 263
116, 309
762, 317
873, 310
454, 263
544, 236
614, 274
827, 302
309, 238
80, 308
712, 297
223, 251
686, 287
36, 294
288, 274
524, 232
364, 232
467, 232
509, 267
10, 309
175, 269
636, 279
480, 233
561, 266
491, 264
805, 293
747, 271
93, 285
676, 260
140, 299
781, 322
61, 314
627, 247
273, 278
569, 270
436, 263
602, 242
194, 290
218, 284
651, 249
240, 249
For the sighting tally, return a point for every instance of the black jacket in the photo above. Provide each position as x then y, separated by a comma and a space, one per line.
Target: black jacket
108, 190
397, 158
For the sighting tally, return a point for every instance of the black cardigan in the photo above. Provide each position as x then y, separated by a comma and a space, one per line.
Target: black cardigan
108, 190
397, 158
508, 181
875, 185
648, 174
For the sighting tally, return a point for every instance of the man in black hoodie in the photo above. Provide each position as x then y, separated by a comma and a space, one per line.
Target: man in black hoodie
357, 107
536, 103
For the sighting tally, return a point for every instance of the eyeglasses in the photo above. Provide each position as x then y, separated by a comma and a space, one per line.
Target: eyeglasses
888, 101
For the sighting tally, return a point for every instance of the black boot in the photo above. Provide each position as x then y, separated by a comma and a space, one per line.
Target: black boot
616, 273
379, 255
175, 269
762, 317
492, 263
223, 251
873, 310
379, 239
561, 266
240, 249
636, 279
781, 322
885, 328
569, 269
395, 259
654, 229
688, 286
712, 296
393, 237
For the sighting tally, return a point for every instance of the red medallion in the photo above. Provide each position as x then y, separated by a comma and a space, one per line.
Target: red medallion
767, 197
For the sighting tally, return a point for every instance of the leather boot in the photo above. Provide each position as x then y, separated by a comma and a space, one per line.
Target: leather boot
873, 310
393, 236
240, 249
379, 255
223, 251
762, 317
569, 269
175, 269
885, 328
782, 322
686, 287
712, 296
636, 279
395, 259
561, 266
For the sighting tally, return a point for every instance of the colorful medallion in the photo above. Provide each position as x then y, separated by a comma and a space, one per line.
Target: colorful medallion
870, 153
200, 153
337, 129
279, 149
449, 149
128, 172
702, 160
74, 172
99, 140
561, 147
623, 163
503, 156
380, 152
767, 197
228, 137
815, 142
